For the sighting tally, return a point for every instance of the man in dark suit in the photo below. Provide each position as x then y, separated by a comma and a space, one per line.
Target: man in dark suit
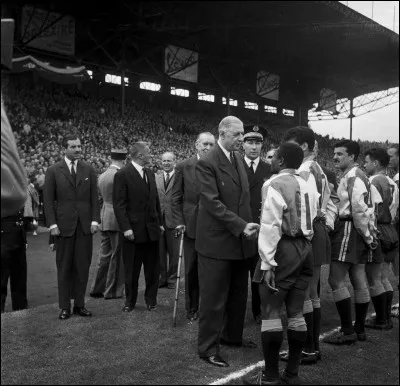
169, 245
72, 212
258, 172
137, 209
185, 200
224, 230
109, 281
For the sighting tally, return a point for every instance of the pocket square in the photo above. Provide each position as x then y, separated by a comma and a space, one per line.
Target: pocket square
86, 178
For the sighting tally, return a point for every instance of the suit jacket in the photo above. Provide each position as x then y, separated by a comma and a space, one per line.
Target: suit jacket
107, 215
185, 196
224, 207
165, 198
256, 182
136, 204
64, 204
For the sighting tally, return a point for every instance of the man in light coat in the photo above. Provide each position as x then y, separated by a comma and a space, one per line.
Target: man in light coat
109, 280
168, 243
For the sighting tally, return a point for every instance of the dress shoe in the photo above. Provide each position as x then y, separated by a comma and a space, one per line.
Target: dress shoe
243, 343
163, 285
151, 308
306, 358
64, 314
81, 311
127, 308
171, 286
94, 295
215, 360
261, 379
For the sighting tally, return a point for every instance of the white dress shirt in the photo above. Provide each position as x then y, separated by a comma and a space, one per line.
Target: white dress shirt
170, 175
255, 162
68, 162
226, 152
139, 168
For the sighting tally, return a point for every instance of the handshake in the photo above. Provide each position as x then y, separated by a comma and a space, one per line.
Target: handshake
250, 232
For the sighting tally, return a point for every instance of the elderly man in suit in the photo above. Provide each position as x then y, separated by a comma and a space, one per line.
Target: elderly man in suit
185, 201
73, 212
223, 241
137, 209
258, 172
168, 243
109, 280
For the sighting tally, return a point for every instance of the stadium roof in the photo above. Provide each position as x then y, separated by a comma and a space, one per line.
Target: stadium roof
310, 44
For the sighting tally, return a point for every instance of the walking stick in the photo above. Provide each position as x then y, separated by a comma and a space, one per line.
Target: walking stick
180, 233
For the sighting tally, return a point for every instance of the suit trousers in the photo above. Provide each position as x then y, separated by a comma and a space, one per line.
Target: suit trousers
110, 277
223, 300
14, 267
192, 293
134, 256
255, 294
169, 250
73, 258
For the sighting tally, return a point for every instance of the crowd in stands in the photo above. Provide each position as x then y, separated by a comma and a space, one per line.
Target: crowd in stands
41, 116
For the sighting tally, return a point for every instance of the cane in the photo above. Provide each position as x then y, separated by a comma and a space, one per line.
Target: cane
180, 233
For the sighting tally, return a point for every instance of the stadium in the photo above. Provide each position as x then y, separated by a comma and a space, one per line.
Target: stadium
163, 72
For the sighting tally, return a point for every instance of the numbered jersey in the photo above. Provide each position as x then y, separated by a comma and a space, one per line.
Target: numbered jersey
289, 207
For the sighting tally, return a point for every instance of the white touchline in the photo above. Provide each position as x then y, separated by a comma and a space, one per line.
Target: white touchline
248, 369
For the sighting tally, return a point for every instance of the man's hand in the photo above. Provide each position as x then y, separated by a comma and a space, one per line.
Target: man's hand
269, 280
55, 231
162, 229
94, 229
129, 235
250, 231
52, 247
181, 228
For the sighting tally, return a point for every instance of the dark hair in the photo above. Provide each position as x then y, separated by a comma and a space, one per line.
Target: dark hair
301, 134
352, 147
395, 147
380, 155
292, 155
69, 137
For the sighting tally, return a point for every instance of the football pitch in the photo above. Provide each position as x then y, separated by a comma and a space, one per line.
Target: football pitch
143, 347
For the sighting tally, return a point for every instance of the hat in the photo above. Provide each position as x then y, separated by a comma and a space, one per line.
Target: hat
254, 132
119, 154
7, 40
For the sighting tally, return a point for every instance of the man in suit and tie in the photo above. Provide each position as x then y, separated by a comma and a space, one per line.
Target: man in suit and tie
258, 172
73, 213
223, 241
109, 280
137, 209
185, 200
168, 243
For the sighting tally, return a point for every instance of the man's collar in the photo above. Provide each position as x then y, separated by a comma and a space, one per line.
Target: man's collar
226, 152
310, 157
288, 171
171, 173
137, 166
248, 160
68, 161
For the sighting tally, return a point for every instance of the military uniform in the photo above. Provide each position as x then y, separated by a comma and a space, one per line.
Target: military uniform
109, 280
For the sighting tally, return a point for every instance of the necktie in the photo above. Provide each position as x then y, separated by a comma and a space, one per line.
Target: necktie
144, 176
73, 172
252, 166
167, 181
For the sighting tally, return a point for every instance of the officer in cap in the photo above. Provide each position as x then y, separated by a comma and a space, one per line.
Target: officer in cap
258, 172
13, 196
109, 279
